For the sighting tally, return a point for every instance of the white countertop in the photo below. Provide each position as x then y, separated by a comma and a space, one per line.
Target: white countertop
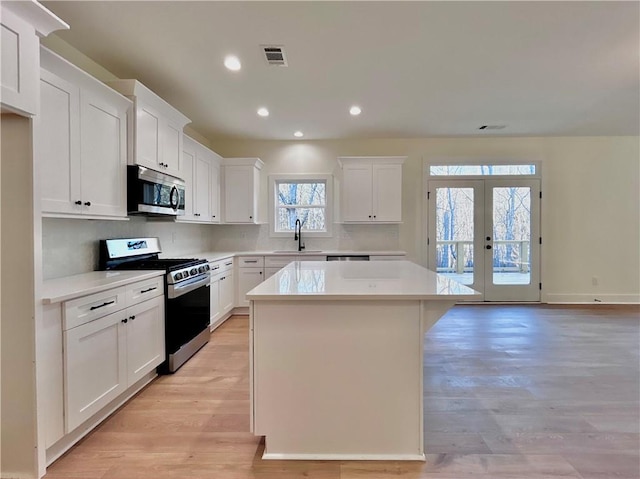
218, 255
371, 280
70, 287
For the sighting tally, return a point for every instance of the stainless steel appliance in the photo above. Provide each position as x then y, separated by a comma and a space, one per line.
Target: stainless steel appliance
150, 192
187, 293
348, 257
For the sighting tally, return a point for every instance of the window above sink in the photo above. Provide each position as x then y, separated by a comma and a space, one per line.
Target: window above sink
308, 198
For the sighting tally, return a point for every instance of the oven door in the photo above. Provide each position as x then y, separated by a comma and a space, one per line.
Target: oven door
154, 193
186, 319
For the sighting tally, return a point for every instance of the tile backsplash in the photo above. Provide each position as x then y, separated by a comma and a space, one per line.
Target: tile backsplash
70, 246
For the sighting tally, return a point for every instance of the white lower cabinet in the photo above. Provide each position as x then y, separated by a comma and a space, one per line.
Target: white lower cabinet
227, 292
95, 367
250, 274
96, 350
248, 278
222, 291
145, 338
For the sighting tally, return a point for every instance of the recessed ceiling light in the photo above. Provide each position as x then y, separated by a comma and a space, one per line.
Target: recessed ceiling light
298, 134
355, 110
263, 112
232, 63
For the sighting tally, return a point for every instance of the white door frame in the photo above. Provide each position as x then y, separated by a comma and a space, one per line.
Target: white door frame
532, 181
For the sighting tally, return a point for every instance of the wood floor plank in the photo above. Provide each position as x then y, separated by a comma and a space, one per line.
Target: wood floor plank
511, 392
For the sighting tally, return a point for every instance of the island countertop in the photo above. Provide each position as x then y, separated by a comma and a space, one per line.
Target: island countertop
383, 280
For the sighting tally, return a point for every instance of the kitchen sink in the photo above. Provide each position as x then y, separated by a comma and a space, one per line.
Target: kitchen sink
295, 251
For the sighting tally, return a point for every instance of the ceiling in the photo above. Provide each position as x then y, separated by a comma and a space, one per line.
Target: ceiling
417, 69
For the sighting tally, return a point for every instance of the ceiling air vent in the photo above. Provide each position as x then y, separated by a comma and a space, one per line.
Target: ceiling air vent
492, 127
275, 55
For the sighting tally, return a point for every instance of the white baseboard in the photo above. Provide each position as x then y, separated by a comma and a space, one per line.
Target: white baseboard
344, 457
568, 298
16, 475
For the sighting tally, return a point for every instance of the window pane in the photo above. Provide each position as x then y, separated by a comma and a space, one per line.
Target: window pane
454, 233
481, 170
511, 235
312, 219
301, 194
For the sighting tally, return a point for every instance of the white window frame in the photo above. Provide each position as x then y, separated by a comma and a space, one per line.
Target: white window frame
328, 207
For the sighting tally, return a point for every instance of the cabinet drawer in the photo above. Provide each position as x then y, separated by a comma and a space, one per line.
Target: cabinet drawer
82, 310
144, 290
251, 261
278, 261
221, 266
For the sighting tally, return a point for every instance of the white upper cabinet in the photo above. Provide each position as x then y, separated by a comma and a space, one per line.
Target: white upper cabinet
156, 130
371, 189
241, 185
201, 168
22, 24
80, 143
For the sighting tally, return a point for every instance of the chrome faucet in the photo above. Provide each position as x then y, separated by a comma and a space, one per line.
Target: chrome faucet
297, 235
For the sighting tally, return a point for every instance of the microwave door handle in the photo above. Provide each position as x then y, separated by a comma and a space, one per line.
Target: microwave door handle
174, 195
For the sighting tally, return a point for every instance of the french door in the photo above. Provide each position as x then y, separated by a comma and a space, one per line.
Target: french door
485, 233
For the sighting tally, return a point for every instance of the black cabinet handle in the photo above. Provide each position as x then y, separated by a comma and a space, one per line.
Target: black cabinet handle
250, 217
132, 318
147, 290
124, 321
488, 238
87, 203
101, 306
374, 216
488, 246
369, 216
78, 202
213, 216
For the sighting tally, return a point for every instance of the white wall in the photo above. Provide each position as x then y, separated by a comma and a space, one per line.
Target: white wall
590, 213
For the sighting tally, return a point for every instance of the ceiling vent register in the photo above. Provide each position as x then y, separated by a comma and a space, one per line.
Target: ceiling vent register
274, 54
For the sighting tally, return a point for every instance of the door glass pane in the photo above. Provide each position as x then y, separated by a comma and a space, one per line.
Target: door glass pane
454, 233
511, 235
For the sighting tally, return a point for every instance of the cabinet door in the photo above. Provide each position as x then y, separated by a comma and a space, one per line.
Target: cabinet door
248, 278
188, 165
227, 292
103, 149
216, 304
148, 147
238, 194
145, 338
94, 367
56, 135
202, 181
20, 64
215, 193
172, 148
387, 192
357, 193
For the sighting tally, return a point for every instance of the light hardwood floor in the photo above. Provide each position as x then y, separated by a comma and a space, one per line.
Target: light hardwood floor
511, 392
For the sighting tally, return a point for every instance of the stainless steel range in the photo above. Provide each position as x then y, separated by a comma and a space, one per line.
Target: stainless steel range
187, 293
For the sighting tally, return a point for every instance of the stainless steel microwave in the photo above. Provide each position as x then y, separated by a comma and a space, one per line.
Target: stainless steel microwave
152, 193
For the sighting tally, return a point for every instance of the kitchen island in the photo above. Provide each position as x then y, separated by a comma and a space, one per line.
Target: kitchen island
336, 358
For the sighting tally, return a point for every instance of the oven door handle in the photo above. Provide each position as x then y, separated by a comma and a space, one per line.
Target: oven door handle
177, 290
